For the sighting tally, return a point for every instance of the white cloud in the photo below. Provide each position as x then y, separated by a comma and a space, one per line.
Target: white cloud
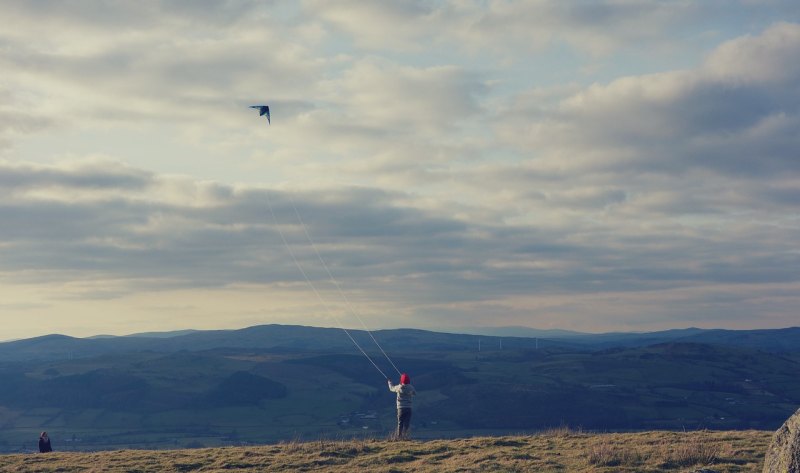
439, 172
767, 58
501, 26
380, 24
397, 97
676, 121
159, 234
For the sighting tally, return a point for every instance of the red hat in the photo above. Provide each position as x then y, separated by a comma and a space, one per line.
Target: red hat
405, 379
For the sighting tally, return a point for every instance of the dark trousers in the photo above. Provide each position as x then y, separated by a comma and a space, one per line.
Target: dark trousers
403, 421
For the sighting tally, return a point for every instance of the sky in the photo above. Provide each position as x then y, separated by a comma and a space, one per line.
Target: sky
618, 165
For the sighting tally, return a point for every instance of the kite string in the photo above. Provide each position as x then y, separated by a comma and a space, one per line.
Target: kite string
338, 287
314, 289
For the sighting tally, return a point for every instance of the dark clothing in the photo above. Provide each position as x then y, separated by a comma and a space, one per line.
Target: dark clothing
403, 421
44, 445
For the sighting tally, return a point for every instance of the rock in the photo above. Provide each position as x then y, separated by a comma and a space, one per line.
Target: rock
783, 455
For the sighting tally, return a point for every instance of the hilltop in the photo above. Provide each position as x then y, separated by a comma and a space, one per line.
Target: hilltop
555, 451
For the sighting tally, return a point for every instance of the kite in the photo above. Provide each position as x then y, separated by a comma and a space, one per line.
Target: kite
262, 110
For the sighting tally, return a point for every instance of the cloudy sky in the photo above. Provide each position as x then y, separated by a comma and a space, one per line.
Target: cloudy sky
592, 165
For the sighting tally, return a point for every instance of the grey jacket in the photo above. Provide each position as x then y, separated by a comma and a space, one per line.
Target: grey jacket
404, 394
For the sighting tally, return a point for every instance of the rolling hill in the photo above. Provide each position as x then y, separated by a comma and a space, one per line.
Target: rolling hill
315, 339
272, 383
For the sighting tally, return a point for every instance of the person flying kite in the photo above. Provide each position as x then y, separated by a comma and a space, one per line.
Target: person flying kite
262, 110
404, 391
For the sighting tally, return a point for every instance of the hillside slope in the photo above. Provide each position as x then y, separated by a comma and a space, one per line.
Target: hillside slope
219, 397
721, 451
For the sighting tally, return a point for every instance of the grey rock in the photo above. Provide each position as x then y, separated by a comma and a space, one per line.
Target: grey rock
783, 455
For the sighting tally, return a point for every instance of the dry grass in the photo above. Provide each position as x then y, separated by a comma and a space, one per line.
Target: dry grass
688, 454
562, 451
608, 454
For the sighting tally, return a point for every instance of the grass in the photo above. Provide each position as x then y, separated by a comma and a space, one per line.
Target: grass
559, 450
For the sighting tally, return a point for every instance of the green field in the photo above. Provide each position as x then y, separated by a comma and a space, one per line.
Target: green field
240, 396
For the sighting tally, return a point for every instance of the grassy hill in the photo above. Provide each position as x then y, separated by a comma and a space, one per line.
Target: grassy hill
270, 383
556, 451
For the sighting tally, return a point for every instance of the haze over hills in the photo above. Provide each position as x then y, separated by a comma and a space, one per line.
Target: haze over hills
513, 331
274, 382
312, 339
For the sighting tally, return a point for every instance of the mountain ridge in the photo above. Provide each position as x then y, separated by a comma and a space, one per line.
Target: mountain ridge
297, 337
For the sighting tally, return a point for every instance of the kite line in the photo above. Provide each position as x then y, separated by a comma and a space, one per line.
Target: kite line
314, 289
338, 287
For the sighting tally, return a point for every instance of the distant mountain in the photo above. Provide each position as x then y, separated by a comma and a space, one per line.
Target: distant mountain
292, 339
513, 331
277, 338
169, 334
53, 347
776, 340
771, 340
174, 333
